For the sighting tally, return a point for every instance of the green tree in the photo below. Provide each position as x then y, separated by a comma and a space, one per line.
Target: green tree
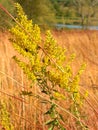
64, 10
5, 21
86, 9
41, 11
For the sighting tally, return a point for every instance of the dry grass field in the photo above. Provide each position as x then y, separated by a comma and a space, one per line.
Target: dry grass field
23, 110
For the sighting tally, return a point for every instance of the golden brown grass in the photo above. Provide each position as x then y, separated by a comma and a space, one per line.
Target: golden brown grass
26, 113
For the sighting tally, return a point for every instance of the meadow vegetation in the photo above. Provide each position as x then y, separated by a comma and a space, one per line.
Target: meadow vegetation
54, 97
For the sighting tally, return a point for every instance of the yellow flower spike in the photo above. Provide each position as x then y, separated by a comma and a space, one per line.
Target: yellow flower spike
59, 96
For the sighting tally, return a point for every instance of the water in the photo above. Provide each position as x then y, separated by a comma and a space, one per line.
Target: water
59, 26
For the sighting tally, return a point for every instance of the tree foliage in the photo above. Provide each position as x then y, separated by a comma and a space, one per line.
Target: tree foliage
41, 11
86, 9
5, 21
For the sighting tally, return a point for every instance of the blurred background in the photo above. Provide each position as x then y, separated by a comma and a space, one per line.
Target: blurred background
55, 13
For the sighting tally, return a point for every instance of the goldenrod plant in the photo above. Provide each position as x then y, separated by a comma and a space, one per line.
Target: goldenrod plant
5, 119
47, 66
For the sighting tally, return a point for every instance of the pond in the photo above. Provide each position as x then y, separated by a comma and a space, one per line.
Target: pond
59, 26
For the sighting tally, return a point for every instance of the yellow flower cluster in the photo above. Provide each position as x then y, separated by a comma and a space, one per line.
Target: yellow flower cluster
53, 49
25, 39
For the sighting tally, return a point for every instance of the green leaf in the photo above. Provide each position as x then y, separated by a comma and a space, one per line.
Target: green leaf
62, 128
44, 91
51, 128
50, 111
50, 122
61, 117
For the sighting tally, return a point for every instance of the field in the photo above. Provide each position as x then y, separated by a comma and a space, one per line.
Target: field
27, 113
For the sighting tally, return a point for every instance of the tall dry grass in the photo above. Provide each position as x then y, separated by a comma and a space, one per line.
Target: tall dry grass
26, 113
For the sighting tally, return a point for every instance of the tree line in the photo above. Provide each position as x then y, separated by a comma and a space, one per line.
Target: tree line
50, 12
